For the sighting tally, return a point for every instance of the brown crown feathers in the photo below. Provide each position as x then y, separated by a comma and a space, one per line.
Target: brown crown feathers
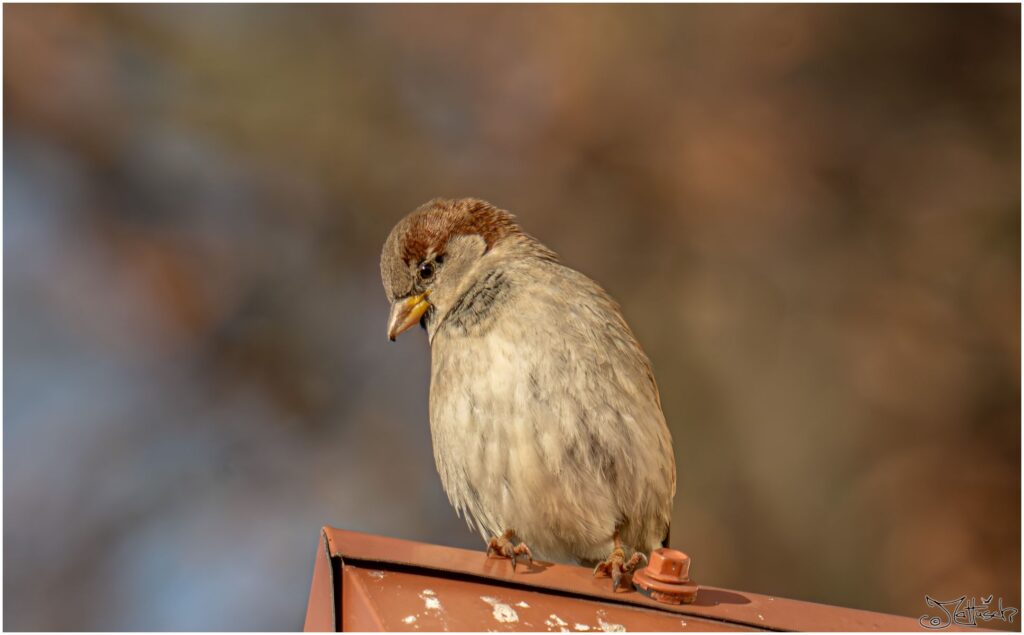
426, 232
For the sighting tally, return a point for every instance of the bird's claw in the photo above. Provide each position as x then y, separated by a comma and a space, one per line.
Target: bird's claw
502, 547
617, 566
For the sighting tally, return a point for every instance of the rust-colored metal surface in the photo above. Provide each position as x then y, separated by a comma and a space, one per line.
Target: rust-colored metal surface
403, 601
320, 610
371, 583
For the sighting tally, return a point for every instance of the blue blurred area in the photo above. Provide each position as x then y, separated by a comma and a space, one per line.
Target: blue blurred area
811, 216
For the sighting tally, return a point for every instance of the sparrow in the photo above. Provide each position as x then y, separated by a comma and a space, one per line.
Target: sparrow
545, 417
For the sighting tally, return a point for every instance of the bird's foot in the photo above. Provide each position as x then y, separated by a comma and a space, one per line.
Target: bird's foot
502, 547
617, 566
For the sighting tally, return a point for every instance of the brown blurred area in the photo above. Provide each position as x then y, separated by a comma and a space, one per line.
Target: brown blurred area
810, 214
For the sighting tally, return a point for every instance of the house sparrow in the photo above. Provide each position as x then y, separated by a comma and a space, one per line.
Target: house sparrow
545, 417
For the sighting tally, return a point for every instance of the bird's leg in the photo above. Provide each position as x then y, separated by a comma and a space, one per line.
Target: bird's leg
502, 547
616, 565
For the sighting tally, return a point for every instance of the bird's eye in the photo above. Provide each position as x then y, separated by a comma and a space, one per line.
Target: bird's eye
426, 271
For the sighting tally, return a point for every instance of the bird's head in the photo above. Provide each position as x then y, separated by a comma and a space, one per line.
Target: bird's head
430, 254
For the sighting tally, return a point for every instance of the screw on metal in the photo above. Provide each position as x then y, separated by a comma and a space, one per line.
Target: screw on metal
666, 578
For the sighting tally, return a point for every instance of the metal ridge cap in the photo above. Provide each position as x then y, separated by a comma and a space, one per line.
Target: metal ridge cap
748, 609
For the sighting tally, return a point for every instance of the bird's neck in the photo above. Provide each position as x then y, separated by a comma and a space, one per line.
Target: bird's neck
487, 288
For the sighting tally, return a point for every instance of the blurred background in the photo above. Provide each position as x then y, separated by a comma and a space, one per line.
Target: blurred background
810, 214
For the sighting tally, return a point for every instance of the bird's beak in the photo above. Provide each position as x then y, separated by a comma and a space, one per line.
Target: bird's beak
406, 313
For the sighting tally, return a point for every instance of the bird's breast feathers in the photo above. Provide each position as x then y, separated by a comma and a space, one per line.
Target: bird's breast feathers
541, 397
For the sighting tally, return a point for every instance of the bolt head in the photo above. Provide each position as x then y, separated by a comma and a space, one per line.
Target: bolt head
666, 578
669, 565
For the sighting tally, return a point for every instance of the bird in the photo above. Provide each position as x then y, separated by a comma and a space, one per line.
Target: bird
545, 417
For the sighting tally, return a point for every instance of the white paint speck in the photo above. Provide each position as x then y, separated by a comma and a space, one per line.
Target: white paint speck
523, 604
379, 575
581, 627
760, 617
682, 623
554, 622
608, 627
502, 612
430, 600
409, 620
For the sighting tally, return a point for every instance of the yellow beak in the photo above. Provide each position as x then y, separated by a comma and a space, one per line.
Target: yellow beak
406, 313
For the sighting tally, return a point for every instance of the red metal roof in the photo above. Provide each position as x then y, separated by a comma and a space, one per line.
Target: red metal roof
370, 583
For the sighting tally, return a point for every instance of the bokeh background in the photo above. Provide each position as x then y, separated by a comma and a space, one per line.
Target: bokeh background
810, 214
